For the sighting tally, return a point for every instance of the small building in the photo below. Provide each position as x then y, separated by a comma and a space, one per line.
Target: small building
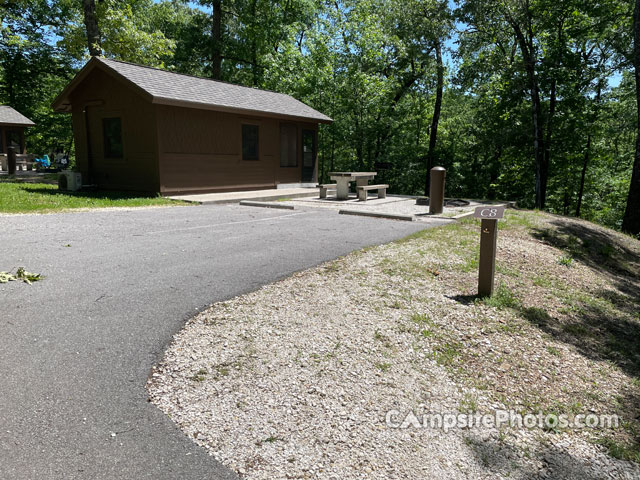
12, 125
145, 129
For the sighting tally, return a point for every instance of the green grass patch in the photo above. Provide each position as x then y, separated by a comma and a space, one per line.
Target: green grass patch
42, 197
200, 375
553, 351
542, 281
565, 260
576, 329
446, 353
383, 366
468, 404
502, 298
536, 315
421, 319
621, 451
516, 219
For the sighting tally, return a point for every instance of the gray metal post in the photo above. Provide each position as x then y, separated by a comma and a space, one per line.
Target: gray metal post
436, 190
487, 266
11, 160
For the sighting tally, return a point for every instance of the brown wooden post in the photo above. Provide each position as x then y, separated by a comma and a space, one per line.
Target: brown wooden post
23, 148
489, 214
11, 160
436, 190
487, 264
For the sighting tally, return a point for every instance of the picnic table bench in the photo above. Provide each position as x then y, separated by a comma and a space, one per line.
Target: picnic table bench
23, 161
364, 189
325, 187
342, 180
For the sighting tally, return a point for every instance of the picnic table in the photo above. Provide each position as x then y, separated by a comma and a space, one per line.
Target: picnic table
22, 160
342, 180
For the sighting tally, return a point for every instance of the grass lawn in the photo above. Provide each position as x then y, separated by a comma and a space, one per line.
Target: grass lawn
43, 197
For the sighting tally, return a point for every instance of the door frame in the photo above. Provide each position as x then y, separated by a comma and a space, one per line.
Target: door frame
307, 173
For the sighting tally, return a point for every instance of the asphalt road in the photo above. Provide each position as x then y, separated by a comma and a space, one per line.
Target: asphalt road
76, 348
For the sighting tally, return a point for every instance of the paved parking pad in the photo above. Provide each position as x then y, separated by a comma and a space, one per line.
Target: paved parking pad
76, 348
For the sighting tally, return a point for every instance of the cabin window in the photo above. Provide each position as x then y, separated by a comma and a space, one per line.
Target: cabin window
14, 140
250, 142
288, 145
112, 130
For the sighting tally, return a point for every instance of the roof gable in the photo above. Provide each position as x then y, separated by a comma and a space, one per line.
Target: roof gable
171, 88
9, 116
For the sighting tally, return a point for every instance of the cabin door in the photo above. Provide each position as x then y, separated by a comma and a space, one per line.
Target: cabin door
90, 147
308, 155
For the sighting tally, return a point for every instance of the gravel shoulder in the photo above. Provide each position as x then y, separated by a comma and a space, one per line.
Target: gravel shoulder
312, 376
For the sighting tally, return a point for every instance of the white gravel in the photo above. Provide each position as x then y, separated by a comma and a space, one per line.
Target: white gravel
294, 381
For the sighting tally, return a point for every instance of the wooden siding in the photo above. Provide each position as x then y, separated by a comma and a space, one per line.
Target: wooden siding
4, 138
201, 151
105, 96
171, 149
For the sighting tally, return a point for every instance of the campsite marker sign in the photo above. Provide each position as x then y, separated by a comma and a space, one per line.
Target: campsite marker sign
489, 214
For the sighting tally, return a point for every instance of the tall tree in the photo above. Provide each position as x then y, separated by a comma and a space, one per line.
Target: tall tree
128, 30
435, 120
520, 18
91, 26
631, 221
501, 29
33, 69
216, 40
214, 36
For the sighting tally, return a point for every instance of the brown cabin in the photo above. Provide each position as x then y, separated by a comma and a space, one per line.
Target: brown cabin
140, 128
12, 125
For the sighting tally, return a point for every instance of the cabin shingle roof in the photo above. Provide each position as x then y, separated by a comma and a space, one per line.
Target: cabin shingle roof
9, 116
172, 88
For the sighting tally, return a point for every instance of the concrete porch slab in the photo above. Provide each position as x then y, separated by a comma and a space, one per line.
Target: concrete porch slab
398, 207
253, 195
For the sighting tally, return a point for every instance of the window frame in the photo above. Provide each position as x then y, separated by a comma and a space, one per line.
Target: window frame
108, 153
10, 135
296, 163
242, 149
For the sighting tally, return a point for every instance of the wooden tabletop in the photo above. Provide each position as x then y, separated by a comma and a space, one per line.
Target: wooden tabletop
353, 174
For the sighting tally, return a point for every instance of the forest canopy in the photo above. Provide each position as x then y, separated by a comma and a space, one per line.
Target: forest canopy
527, 100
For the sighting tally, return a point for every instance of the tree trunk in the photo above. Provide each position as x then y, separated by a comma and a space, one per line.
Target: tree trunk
254, 48
359, 143
10, 87
631, 221
552, 111
587, 153
583, 175
91, 24
433, 134
541, 167
216, 40
494, 173
333, 151
324, 154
